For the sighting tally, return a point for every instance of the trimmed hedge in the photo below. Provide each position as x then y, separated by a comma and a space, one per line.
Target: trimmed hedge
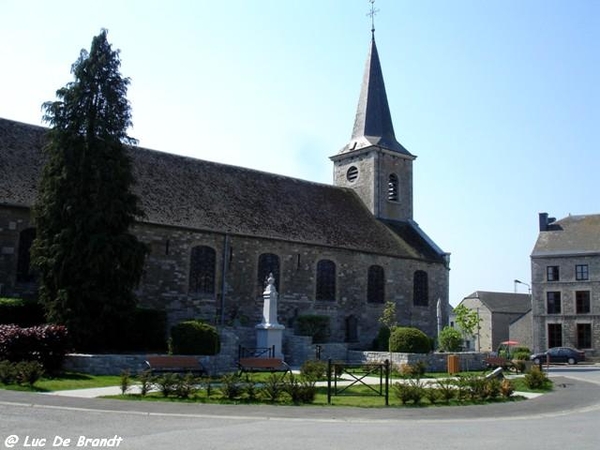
193, 337
18, 311
409, 340
46, 344
315, 326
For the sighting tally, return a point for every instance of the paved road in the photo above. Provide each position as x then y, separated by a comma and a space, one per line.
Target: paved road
566, 419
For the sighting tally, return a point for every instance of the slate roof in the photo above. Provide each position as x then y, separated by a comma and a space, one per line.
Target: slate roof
185, 192
503, 302
373, 122
573, 235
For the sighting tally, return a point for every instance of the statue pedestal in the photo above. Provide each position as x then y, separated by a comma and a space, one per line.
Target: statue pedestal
269, 333
270, 336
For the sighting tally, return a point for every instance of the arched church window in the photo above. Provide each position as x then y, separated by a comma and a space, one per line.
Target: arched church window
325, 280
393, 194
267, 263
375, 285
420, 288
25, 273
202, 270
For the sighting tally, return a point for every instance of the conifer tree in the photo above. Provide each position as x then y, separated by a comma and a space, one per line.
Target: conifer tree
89, 262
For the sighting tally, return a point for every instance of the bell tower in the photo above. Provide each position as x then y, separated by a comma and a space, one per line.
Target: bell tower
374, 163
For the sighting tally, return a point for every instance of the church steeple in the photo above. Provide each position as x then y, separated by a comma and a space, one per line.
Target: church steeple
373, 122
374, 163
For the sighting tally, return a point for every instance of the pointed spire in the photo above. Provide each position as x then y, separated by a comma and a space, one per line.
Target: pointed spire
373, 123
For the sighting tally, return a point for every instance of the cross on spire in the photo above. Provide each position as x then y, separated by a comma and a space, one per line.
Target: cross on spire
372, 14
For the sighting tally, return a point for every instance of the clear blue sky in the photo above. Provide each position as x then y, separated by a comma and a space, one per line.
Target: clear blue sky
499, 99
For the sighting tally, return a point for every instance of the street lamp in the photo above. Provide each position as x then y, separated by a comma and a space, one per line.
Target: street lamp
525, 284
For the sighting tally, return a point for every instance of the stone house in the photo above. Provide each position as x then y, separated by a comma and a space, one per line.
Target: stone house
565, 271
497, 311
216, 231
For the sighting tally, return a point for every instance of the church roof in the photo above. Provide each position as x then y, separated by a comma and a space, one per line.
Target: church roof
184, 192
373, 122
573, 235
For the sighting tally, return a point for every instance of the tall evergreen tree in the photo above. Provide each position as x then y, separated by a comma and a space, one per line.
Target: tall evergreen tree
89, 261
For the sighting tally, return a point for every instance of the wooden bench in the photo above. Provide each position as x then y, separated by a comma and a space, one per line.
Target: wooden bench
258, 364
175, 364
493, 362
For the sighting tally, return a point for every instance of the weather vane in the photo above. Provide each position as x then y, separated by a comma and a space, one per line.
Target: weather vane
372, 14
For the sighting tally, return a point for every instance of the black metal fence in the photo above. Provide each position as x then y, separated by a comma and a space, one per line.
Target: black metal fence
342, 376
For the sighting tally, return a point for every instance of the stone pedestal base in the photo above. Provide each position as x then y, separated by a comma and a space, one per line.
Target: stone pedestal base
268, 336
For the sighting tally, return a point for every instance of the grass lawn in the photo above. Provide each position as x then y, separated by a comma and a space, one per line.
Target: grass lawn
67, 381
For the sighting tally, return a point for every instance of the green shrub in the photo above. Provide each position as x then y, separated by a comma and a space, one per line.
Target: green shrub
193, 337
413, 390
409, 340
166, 383
536, 379
314, 370
273, 388
28, 372
7, 372
315, 326
450, 340
521, 353
382, 342
416, 370
231, 386
300, 391
507, 388
186, 386
447, 388
24, 313
125, 381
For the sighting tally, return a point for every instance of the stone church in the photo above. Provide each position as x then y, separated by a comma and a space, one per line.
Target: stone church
216, 231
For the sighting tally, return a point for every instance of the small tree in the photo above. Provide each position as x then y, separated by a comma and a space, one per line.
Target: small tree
89, 262
388, 319
450, 339
467, 320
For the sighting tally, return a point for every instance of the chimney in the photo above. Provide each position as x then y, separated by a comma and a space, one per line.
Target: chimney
544, 221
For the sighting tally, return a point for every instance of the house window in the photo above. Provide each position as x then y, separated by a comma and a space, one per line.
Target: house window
582, 302
420, 288
584, 335
24, 272
325, 280
554, 335
376, 285
393, 188
581, 272
268, 263
552, 273
553, 305
202, 270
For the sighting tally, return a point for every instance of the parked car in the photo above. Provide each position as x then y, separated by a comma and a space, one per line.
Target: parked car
559, 355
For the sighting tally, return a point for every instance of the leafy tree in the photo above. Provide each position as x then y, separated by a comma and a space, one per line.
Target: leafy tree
89, 262
450, 339
388, 319
467, 320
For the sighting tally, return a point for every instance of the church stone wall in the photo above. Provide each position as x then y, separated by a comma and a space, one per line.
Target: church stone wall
13, 221
238, 300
